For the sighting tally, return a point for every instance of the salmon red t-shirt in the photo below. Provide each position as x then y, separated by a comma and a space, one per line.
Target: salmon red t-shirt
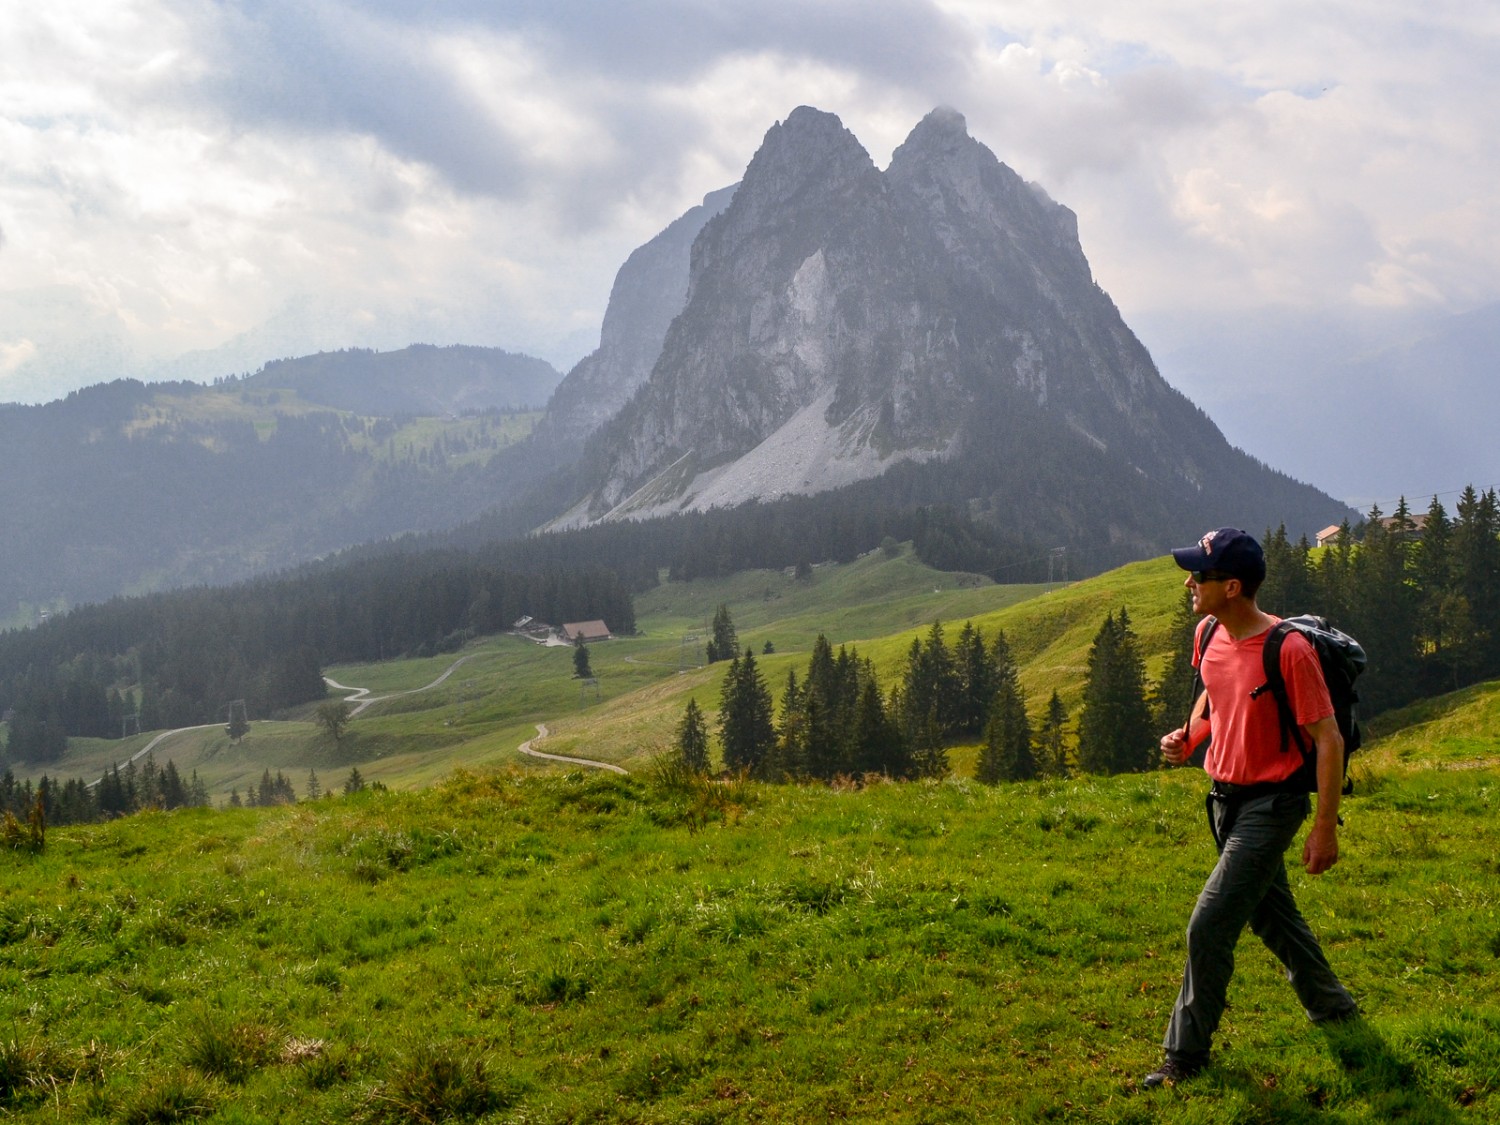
1246, 747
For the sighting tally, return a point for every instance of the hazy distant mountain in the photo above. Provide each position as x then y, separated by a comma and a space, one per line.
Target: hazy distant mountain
420, 379
127, 487
841, 320
1371, 406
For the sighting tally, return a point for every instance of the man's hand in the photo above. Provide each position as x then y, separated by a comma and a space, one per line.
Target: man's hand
1174, 746
1321, 851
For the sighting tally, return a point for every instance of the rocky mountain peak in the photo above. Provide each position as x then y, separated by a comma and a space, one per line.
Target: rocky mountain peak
944, 127
809, 151
841, 320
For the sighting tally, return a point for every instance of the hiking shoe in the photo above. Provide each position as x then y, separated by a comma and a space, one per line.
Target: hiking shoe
1171, 1072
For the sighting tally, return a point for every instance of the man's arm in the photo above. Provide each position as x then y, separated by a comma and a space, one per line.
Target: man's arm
1321, 851
1175, 746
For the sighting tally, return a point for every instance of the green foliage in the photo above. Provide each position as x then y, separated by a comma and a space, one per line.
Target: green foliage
220, 1046
167, 1098
29, 837
747, 732
1008, 753
1051, 745
333, 718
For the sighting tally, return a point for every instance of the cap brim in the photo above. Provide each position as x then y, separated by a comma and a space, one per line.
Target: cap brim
1190, 558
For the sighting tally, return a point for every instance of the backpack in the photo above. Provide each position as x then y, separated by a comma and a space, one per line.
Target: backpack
1342, 659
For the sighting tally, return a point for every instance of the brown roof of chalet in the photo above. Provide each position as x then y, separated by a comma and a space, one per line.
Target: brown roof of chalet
588, 630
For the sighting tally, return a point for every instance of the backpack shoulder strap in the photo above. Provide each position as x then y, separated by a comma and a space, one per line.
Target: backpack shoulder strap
1201, 637
1270, 656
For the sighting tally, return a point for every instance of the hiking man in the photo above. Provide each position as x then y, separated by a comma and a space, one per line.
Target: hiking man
1255, 806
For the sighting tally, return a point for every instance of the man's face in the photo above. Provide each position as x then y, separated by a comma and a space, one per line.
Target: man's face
1210, 590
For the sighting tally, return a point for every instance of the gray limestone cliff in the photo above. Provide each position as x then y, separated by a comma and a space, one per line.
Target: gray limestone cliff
650, 289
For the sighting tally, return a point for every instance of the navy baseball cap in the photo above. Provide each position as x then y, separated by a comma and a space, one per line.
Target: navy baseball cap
1229, 551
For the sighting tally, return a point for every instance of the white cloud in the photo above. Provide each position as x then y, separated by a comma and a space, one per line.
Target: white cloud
15, 355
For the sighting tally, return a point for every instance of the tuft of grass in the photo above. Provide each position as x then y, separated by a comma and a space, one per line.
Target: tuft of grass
442, 1082
223, 1047
34, 1069
693, 800
168, 1098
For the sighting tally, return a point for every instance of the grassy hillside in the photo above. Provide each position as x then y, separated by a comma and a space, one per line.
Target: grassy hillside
506, 686
586, 947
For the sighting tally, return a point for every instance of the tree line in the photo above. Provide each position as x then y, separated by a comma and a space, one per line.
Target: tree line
55, 801
118, 793
836, 720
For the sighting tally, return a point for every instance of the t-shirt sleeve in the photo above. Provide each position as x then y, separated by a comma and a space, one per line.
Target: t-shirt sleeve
1304, 680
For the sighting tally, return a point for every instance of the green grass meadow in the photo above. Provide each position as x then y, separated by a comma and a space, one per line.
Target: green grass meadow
499, 939
586, 947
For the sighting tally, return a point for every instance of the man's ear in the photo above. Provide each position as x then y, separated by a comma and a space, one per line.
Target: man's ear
1239, 588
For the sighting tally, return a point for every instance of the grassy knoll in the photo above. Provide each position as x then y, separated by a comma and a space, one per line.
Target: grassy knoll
585, 947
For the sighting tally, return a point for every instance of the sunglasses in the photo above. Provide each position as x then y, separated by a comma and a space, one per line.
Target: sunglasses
1202, 576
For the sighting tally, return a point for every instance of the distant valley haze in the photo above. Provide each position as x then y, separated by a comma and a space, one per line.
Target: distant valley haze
1292, 210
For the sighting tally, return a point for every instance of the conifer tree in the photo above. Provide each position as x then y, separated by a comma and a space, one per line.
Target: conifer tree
1172, 697
1383, 613
747, 729
1333, 580
1007, 753
825, 758
1114, 730
581, 669
878, 745
1052, 754
1476, 572
930, 690
929, 754
173, 792
978, 679
692, 739
238, 726
724, 643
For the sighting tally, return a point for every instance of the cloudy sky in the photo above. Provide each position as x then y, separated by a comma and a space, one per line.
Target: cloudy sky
290, 175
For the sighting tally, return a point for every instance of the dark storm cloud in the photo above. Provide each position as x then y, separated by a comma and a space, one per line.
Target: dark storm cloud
363, 68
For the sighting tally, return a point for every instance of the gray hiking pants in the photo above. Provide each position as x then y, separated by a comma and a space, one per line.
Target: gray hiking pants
1249, 885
